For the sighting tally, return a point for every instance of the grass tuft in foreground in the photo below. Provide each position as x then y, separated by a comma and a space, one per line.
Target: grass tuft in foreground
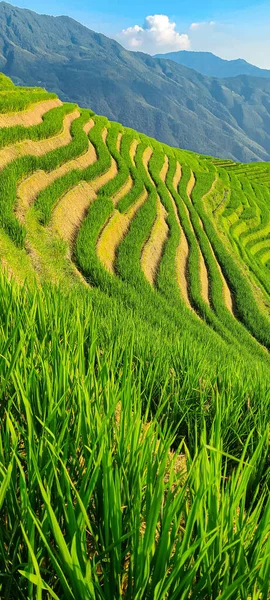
100, 495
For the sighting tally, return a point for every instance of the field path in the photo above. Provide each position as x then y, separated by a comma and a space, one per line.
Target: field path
41, 147
72, 207
177, 176
226, 290
164, 170
211, 189
108, 175
133, 150
31, 186
123, 191
71, 210
181, 258
152, 250
118, 142
129, 182
31, 116
191, 185
114, 231
202, 267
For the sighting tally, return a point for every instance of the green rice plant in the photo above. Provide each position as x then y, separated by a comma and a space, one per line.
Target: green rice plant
98, 500
85, 249
138, 187
129, 251
203, 183
143, 300
257, 219
242, 240
52, 123
24, 166
115, 184
261, 196
194, 258
237, 197
245, 305
49, 196
6, 83
19, 99
166, 278
134, 437
260, 253
239, 241
166, 275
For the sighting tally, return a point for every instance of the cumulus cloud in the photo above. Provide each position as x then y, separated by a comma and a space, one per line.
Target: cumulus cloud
158, 34
201, 24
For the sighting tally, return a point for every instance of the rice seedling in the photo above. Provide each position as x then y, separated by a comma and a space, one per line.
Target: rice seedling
98, 498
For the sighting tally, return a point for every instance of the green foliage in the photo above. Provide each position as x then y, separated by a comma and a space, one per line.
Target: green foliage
51, 124
134, 439
245, 305
138, 187
115, 184
85, 251
129, 252
17, 100
47, 198
93, 502
5, 82
26, 165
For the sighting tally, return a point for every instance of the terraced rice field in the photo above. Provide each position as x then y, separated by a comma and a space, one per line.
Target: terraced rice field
169, 255
58, 179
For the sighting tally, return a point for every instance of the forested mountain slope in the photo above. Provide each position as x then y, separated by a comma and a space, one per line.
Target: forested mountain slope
228, 118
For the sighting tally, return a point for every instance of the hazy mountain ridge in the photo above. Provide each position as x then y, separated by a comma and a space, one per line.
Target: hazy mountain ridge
211, 65
167, 101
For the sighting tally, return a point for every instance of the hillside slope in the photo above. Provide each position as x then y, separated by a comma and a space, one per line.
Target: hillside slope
178, 228
134, 362
211, 65
176, 105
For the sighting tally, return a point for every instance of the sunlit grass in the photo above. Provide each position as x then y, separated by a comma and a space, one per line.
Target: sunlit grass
100, 496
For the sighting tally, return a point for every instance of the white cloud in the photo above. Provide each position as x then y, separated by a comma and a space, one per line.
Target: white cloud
202, 24
158, 34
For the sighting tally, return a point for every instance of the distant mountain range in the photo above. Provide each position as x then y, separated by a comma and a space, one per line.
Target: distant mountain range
208, 64
175, 104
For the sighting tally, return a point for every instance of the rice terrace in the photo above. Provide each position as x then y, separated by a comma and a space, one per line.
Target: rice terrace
134, 362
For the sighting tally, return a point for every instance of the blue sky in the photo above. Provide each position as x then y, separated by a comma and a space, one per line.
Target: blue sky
230, 29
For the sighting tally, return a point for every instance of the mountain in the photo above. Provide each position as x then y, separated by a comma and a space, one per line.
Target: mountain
211, 65
134, 362
229, 118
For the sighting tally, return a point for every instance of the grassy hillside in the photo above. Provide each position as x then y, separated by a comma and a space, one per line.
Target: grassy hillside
134, 362
168, 101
